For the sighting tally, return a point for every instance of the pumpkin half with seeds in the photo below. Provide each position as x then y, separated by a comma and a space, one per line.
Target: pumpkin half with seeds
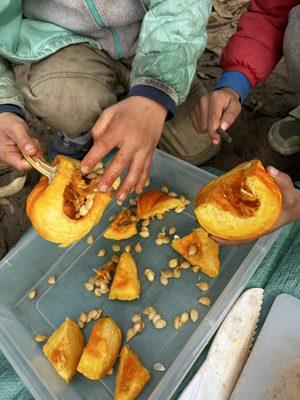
66, 209
123, 227
242, 204
154, 202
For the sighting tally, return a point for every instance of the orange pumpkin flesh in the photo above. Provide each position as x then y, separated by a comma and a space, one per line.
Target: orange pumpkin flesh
153, 202
122, 227
51, 207
132, 376
242, 204
207, 251
126, 284
64, 348
102, 349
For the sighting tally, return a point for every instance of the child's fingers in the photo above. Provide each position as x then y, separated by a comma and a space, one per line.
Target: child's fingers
97, 152
144, 176
134, 172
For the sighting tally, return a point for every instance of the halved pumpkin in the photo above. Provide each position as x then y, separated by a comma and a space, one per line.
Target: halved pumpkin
122, 227
102, 349
126, 284
242, 204
153, 202
132, 376
64, 348
54, 208
200, 250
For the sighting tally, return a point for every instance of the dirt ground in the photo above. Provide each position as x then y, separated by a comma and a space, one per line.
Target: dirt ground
266, 104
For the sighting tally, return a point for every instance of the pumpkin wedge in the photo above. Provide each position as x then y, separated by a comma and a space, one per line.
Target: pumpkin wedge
200, 250
126, 284
102, 349
122, 227
132, 376
55, 208
64, 348
240, 205
153, 202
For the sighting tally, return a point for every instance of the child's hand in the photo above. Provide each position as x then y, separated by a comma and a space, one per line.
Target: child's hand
15, 141
213, 110
290, 205
134, 125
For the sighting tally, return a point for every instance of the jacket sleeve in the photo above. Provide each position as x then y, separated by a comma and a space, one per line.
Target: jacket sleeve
9, 92
172, 38
256, 46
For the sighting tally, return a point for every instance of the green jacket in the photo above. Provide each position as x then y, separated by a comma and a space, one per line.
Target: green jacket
171, 39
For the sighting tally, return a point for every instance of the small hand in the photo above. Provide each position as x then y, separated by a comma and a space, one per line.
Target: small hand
290, 206
213, 110
15, 141
134, 125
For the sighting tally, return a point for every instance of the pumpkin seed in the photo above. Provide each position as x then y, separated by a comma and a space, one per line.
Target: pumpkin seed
116, 247
185, 265
92, 313
202, 286
167, 273
91, 175
133, 218
146, 222
112, 218
101, 253
150, 275
144, 229
176, 237
166, 240
182, 198
179, 209
98, 292
88, 319
194, 315
176, 322
151, 315
40, 338
83, 211
160, 324
172, 194
97, 315
149, 310
205, 301
51, 280
144, 234
159, 367
138, 327
92, 280
115, 258
163, 280
90, 239
156, 318
147, 183
161, 234
173, 263
196, 268
193, 249
138, 248
136, 318
82, 317
172, 230
177, 273
132, 202
99, 165
129, 334
89, 286
32, 294
165, 189
110, 372
80, 324
159, 216
103, 287
184, 317
127, 248
89, 204
119, 202
159, 241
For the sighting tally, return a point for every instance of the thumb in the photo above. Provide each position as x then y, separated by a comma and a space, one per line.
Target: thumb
27, 145
283, 180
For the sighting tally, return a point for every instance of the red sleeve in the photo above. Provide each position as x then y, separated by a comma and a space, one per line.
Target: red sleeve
256, 46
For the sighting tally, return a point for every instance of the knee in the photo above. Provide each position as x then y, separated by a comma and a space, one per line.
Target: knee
291, 46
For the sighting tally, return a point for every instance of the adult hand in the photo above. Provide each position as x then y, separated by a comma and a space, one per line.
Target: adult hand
15, 141
213, 110
290, 206
134, 125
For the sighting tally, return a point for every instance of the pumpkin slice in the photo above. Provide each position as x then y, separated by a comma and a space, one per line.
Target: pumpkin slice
102, 349
54, 208
64, 348
240, 205
153, 202
122, 227
126, 284
132, 376
200, 250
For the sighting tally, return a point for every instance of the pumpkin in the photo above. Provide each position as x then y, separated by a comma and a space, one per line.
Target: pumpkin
132, 376
242, 204
64, 348
153, 202
102, 349
200, 250
122, 227
126, 284
64, 210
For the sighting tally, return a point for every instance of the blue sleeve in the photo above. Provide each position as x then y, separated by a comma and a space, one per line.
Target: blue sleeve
235, 80
12, 109
157, 95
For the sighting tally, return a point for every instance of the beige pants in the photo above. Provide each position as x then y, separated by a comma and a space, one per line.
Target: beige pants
69, 89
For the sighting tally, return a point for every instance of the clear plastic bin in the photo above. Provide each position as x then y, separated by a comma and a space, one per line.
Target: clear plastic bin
29, 264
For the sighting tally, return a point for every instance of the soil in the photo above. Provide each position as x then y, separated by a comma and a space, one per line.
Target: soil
268, 103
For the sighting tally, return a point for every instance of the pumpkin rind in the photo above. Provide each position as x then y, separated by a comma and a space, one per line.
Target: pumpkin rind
102, 349
153, 202
207, 256
132, 376
45, 207
64, 348
122, 227
126, 284
240, 205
